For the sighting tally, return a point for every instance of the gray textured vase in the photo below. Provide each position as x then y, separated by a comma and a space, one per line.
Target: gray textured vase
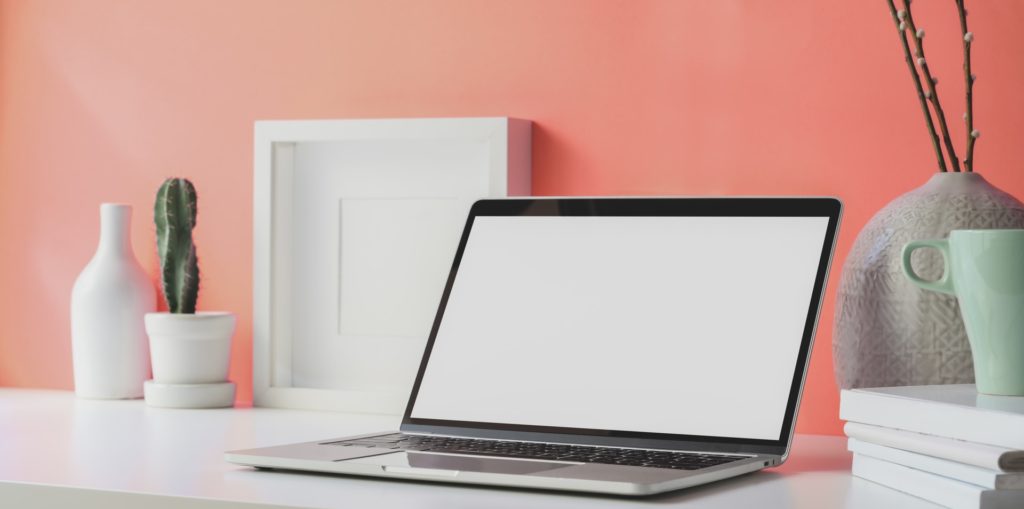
888, 332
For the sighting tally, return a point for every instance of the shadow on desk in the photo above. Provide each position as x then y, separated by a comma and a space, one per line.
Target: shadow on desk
744, 490
815, 461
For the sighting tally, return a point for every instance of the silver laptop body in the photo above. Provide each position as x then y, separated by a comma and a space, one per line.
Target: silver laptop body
627, 346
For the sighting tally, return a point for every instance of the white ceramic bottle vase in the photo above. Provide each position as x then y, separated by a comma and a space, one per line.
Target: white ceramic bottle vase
109, 300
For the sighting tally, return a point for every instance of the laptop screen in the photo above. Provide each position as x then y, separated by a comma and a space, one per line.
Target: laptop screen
674, 325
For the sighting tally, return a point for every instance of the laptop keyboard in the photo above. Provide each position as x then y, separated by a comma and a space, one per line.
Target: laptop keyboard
542, 451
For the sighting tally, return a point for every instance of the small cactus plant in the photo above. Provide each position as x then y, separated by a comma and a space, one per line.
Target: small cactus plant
175, 217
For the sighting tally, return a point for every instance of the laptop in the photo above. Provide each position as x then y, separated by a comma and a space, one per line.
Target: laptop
625, 346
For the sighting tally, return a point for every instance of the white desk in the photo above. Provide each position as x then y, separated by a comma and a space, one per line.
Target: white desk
59, 451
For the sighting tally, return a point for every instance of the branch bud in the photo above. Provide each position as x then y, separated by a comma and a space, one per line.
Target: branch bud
935, 80
969, 36
903, 25
901, 14
921, 62
975, 134
920, 33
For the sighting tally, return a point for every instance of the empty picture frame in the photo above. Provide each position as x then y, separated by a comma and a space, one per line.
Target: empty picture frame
356, 223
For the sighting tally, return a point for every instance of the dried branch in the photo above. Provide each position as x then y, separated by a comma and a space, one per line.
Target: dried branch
901, 28
932, 93
969, 78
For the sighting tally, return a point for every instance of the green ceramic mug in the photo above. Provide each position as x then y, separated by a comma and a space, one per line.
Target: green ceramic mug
985, 270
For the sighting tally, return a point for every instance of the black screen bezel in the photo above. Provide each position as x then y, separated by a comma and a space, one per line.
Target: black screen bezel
641, 207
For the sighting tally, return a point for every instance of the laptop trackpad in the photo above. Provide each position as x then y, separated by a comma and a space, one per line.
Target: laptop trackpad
443, 464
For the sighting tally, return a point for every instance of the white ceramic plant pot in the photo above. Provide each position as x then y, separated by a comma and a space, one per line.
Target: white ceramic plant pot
190, 348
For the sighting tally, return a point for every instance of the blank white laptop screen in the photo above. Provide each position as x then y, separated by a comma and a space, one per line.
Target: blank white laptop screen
680, 325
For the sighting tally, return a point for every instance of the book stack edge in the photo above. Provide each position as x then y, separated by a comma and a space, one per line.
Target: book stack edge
946, 444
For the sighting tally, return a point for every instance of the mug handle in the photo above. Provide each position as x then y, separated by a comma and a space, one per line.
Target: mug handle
944, 284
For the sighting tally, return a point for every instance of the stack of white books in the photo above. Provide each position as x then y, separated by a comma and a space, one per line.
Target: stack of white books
943, 443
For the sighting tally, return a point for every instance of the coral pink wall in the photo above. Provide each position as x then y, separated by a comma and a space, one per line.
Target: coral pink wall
101, 100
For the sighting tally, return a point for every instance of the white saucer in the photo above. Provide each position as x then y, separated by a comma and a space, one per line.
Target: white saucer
216, 395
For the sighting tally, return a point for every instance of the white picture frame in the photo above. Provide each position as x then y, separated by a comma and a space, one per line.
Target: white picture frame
354, 221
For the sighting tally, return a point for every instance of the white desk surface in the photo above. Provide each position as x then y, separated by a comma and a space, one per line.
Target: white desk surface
60, 451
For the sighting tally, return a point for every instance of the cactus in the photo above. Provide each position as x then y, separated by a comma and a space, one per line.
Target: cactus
175, 217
